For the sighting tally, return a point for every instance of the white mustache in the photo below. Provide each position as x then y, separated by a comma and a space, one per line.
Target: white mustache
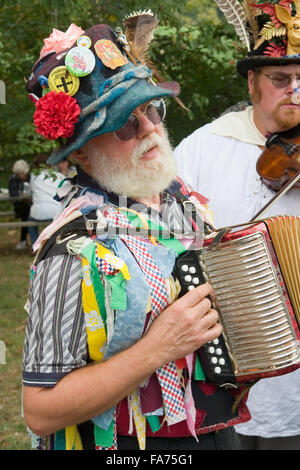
145, 145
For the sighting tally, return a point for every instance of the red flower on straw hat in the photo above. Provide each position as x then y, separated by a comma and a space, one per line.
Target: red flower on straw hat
56, 115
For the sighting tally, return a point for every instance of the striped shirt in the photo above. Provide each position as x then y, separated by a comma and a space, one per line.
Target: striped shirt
56, 339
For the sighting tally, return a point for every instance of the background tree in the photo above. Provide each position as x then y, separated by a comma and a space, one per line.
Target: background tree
193, 45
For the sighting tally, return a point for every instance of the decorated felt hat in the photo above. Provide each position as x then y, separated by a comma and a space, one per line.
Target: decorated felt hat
86, 83
269, 30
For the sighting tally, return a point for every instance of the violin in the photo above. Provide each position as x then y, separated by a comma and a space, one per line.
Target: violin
280, 161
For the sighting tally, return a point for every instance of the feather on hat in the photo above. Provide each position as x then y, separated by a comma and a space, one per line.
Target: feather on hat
269, 30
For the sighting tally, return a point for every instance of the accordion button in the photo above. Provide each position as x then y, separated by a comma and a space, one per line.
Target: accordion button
214, 360
216, 341
196, 280
211, 350
192, 270
222, 361
191, 287
217, 370
219, 351
187, 278
184, 268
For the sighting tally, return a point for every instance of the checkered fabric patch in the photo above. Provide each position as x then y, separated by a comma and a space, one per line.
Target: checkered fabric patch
168, 378
104, 266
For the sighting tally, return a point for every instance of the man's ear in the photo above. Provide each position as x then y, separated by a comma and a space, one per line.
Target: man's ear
79, 157
250, 81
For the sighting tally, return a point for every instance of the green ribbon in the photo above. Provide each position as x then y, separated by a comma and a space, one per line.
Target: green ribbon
90, 254
60, 440
118, 291
171, 243
104, 438
199, 373
153, 422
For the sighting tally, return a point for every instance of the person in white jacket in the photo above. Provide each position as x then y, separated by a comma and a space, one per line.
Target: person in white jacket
43, 188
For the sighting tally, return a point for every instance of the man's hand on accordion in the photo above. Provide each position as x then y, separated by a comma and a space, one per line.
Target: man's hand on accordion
184, 326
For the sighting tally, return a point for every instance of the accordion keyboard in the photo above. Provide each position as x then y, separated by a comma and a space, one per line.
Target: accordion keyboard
213, 356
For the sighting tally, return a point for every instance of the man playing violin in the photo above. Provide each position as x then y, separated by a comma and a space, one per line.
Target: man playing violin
220, 160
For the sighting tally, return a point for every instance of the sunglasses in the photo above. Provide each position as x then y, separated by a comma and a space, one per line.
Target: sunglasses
155, 111
281, 80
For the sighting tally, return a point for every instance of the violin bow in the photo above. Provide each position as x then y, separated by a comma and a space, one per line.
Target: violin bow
277, 197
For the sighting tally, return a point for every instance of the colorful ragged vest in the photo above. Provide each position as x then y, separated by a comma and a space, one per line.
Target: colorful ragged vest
126, 282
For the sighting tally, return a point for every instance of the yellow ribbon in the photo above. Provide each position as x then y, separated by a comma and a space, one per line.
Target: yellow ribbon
139, 420
73, 440
96, 334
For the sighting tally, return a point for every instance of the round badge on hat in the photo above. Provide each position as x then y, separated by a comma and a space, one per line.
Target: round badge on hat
84, 41
60, 79
80, 61
109, 54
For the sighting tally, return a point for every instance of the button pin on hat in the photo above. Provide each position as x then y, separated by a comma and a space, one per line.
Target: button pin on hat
109, 54
80, 61
60, 79
84, 41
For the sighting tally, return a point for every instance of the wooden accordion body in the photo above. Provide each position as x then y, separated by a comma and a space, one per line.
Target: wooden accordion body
255, 273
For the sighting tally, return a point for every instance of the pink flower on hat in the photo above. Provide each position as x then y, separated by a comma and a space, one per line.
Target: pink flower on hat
56, 115
59, 41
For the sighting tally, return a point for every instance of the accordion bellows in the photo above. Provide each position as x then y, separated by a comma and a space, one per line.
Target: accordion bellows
285, 234
255, 273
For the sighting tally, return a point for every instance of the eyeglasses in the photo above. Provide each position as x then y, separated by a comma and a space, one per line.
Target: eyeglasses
281, 80
155, 111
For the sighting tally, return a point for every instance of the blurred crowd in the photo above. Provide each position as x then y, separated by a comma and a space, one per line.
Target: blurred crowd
36, 187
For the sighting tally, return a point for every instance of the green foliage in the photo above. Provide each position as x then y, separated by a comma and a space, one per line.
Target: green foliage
192, 12
29, 141
206, 72
193, 45
14, 280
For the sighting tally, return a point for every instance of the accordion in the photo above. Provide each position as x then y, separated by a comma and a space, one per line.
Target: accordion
255, 274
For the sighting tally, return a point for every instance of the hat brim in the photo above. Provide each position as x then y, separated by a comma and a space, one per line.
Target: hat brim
139, 93
254, 62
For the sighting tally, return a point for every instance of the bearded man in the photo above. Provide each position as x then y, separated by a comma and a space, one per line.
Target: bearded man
220, 158
109, 356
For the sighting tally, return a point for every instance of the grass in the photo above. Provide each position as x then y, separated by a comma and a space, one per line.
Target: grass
14, 278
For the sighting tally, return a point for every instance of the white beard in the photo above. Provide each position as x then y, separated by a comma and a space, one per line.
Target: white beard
135, 178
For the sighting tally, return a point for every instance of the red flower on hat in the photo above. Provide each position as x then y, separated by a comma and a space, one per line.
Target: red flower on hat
56, 115
275, 50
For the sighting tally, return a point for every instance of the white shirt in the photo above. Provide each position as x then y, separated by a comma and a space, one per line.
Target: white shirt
43, 188
223, 169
